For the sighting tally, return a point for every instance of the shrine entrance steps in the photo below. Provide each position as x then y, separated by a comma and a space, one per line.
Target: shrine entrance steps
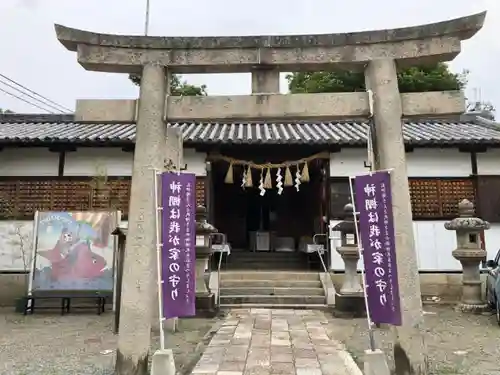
271, 289
264, 260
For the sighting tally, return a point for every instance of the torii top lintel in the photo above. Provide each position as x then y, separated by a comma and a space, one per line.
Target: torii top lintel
126, 53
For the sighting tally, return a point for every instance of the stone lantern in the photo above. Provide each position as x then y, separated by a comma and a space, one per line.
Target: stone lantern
205, 299
350, 300
470, 254
349, 252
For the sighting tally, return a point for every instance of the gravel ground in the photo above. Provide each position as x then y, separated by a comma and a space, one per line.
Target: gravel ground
78, 344
458, 343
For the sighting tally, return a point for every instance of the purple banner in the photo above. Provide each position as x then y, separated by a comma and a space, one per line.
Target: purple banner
376, 229
178, 239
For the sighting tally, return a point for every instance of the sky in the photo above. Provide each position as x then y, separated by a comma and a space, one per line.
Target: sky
33, 57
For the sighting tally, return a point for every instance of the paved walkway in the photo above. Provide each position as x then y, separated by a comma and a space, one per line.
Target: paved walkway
267, 341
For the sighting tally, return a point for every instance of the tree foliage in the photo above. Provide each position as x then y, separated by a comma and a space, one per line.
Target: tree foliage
178, 87
5, 111
415, 79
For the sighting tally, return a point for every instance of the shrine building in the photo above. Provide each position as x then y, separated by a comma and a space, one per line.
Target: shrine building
267, 186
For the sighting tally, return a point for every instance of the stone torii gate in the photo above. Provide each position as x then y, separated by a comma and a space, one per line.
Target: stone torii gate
376, 52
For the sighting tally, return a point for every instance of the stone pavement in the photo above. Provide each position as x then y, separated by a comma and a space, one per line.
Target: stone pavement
268, 341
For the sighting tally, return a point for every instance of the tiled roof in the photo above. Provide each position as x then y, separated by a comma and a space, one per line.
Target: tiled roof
424, 133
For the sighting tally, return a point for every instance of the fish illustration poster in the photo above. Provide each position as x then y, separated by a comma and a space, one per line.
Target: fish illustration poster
74, 251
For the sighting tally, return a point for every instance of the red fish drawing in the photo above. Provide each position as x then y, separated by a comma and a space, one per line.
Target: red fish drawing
87, 265
73, 262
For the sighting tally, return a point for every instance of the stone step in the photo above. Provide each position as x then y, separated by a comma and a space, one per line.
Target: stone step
266, 253
275, 306
265, 260
248, 291
259, 300
266, 256
239, 283
269, 275
264, 266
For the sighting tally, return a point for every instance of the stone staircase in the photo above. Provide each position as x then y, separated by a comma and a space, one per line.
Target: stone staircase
247, 260
271, 289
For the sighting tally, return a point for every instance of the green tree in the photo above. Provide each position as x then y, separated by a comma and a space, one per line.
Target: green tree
415, 79
5, 111
178, 87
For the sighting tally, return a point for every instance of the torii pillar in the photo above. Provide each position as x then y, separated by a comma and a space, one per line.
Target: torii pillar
377, 52
139, 261
381, 78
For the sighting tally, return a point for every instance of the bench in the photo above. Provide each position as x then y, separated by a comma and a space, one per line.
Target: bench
65, 301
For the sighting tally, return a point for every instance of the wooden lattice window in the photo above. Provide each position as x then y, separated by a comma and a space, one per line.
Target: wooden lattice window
433, 198
115, 194
424, 198
454, 191
21, 198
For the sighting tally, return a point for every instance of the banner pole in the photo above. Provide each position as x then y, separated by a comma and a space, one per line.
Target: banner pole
158, 211
361, 257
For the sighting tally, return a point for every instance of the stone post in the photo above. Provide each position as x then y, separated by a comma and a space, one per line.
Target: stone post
265, 80
349, 252
410, 351
205, 299
470, 254
136, 302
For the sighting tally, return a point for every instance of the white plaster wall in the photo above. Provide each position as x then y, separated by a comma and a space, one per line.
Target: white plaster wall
420, 163
434, 162
28, 162
488, 163
348, 162
86, 162
195, 162
433, 244
83, 162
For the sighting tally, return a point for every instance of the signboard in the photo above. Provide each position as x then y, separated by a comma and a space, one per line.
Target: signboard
178, 244
74, 251
376, 229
